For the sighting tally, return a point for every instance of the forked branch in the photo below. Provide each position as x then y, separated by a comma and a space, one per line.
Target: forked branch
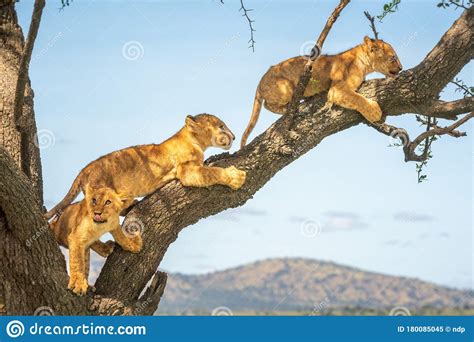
410, 146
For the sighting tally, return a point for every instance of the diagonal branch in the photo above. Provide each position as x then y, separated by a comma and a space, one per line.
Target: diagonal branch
166, 212
315, 53
20, 122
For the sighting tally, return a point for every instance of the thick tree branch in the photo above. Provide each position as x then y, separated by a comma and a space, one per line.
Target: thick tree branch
22, 123
165, 213
447, 110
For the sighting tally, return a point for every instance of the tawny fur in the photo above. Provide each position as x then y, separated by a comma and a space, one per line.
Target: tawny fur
139, 170
341, 74
81, 225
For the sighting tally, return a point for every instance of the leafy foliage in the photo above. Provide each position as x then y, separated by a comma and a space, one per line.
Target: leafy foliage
455, 3
388, 8
463, 88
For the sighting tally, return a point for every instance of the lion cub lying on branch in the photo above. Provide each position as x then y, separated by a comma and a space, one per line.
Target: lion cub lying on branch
139, 170
81, 225
341, 74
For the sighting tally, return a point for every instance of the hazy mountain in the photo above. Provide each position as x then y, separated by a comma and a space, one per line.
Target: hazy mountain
279, 285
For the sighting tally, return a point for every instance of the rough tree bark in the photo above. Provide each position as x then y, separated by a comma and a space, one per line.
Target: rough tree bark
165, 213
122, 285
26, 156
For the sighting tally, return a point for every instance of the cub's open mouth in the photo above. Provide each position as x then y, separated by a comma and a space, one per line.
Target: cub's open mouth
98, 219
393, 73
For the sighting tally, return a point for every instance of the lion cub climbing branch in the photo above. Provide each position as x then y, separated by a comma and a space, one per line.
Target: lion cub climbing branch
341, 74
81, 225
139, 170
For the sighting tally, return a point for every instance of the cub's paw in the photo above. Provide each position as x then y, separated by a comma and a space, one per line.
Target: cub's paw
374, 112
136, 244
78, 284
108, 248
236, 177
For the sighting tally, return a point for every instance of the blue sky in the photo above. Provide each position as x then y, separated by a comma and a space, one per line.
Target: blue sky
353, 189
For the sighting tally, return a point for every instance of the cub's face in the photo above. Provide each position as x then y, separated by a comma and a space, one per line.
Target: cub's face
383, 57
212, 129
102, 203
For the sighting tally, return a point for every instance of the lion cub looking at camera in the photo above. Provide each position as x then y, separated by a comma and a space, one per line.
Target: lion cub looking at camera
341, 74
81, 225
139, 170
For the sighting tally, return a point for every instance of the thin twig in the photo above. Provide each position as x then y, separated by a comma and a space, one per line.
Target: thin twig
372, 24
250, 21
410, 146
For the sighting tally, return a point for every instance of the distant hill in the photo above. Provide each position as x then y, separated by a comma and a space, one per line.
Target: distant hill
303, 285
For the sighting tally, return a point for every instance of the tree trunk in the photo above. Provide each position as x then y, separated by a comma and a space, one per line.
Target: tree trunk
22, 147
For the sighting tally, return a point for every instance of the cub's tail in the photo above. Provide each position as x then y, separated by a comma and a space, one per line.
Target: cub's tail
70, 196
257, 107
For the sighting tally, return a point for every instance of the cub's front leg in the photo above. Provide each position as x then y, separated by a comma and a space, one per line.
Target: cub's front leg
77, 267
192, 174
342, 95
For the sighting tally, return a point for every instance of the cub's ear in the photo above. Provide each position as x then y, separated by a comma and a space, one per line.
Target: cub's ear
191, 121
369, 42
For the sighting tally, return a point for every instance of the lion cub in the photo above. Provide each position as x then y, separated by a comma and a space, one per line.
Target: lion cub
341, 74
139, 170
81, 225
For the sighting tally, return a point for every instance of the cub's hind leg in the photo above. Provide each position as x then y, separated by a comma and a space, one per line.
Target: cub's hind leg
104, 249
277, 93
342, 95
132, 244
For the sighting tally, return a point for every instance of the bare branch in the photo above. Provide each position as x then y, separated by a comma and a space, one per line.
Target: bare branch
315, 53
20, 122
25, 60
447, 110
250, 21
409, 146
372, 24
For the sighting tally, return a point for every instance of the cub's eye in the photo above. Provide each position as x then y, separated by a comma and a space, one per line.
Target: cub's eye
94, 201
107, 202
222, 127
